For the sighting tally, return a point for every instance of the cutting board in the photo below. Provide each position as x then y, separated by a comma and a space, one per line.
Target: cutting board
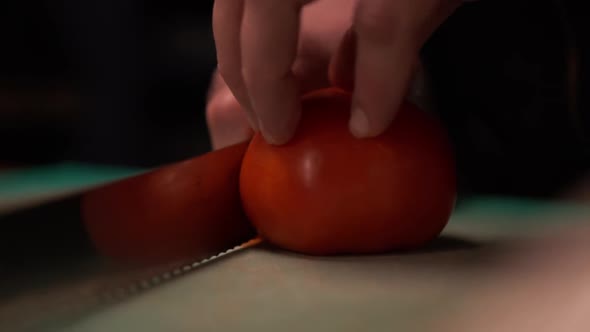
262, 288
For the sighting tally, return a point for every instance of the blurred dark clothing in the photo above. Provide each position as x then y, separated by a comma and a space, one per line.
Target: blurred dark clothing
510, 80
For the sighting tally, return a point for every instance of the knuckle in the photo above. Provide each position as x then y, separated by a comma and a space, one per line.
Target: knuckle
212, 112
226, 121
222, 107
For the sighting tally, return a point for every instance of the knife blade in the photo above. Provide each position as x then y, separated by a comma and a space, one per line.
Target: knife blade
51, 292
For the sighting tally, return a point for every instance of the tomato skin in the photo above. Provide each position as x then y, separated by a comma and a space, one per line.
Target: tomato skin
327, 192
187, 208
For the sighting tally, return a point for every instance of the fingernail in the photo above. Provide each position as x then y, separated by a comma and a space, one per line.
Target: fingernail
282, 132
271, 137
252, 120
251, 116
359, 123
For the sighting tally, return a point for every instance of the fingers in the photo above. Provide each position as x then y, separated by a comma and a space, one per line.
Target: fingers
389, 36
270, 32
226, 119
227, 22
257, 46
386, 53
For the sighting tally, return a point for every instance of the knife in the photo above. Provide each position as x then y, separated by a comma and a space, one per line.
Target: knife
117, 259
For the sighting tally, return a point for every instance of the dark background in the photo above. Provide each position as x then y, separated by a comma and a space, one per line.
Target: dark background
104, 81
124, 82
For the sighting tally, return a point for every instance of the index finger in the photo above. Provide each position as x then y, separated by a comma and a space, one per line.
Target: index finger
270, 31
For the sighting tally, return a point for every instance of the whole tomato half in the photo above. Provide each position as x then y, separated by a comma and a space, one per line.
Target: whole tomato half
186, 209
327, 192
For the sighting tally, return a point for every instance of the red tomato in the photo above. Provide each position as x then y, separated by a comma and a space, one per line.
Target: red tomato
184, 209
327, 192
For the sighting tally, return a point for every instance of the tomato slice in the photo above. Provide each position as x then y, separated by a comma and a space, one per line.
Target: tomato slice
184, 209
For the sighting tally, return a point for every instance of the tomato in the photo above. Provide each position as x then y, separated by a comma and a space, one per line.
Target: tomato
184, 209
327, 192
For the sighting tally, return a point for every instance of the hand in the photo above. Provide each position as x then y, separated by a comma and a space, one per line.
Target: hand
267, 59
321, 30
